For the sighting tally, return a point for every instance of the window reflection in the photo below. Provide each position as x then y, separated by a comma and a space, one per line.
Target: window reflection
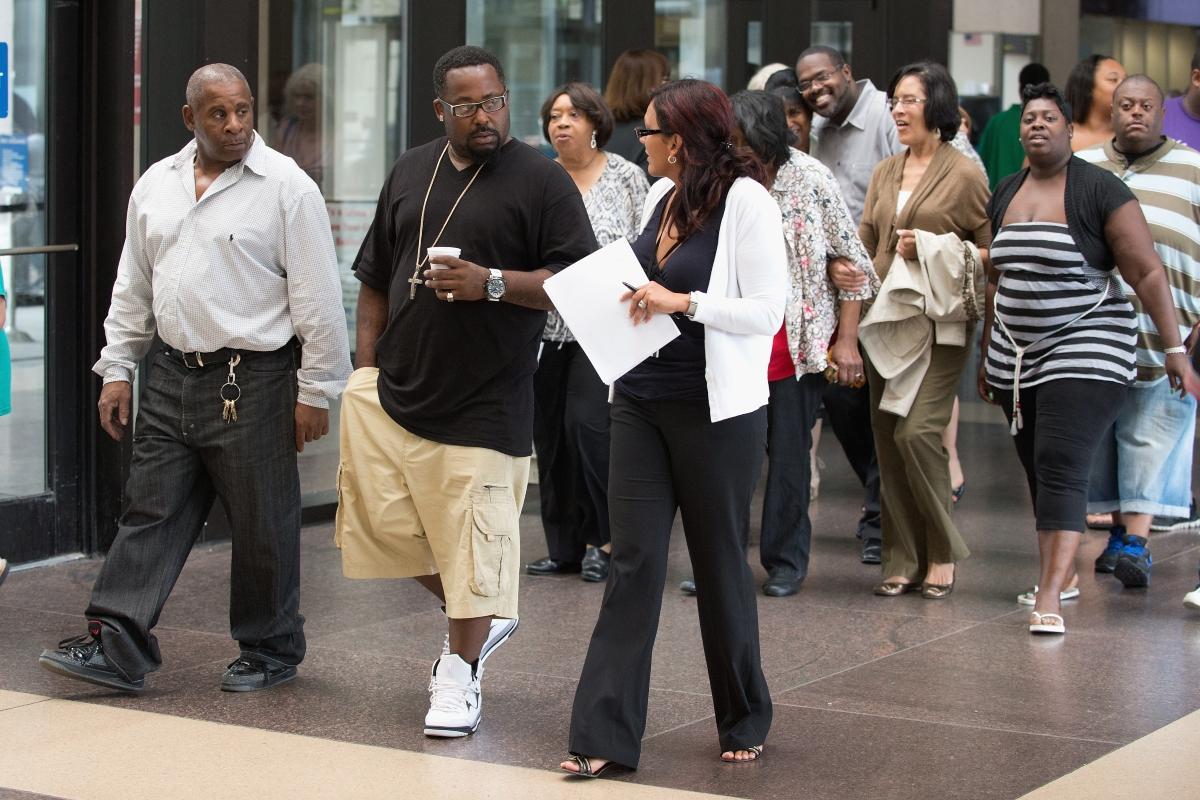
336, 104
541, 44
691, 33
299, 131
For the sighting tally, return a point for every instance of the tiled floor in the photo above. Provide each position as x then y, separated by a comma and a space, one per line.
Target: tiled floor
898, 698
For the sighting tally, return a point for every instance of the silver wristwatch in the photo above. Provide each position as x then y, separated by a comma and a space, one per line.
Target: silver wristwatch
495, 285
691, 309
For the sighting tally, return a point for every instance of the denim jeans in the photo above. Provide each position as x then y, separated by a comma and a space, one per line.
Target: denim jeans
185, 456
1143, 464
786, 527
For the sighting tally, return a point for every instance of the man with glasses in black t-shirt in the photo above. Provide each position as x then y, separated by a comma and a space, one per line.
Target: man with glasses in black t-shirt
437, 421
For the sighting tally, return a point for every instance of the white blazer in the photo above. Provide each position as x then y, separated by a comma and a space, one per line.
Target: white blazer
743, 307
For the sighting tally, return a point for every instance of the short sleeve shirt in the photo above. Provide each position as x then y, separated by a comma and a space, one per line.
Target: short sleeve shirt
462, 373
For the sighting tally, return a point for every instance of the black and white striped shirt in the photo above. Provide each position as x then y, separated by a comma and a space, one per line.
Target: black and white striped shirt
1071, 320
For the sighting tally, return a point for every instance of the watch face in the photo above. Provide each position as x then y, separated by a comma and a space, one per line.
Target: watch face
495, 287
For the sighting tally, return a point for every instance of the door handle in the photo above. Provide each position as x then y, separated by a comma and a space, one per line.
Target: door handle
30, 251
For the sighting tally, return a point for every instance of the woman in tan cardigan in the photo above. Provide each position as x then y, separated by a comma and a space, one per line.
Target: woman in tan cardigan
931, 187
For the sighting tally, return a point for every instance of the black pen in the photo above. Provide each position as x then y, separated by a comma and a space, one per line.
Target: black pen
628, 286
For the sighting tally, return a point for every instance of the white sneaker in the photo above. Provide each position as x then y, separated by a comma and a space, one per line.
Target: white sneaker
498, 634
454, 699
1192, 599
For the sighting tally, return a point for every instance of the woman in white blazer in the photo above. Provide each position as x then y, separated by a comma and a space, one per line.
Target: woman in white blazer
689, 431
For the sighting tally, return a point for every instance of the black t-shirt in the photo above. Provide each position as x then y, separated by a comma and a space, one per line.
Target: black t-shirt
677, 371
462, 373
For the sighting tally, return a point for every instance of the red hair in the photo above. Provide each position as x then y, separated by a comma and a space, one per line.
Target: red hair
702, 116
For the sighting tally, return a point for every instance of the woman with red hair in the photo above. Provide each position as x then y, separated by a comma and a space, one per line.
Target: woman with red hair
689, 431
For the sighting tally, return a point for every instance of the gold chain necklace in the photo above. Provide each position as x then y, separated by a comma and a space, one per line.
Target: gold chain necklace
414, 280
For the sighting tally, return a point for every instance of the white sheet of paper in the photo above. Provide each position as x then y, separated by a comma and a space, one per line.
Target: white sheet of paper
588, 295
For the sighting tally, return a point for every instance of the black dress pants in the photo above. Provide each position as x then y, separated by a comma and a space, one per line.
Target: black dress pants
849, 412
184, 456
786, 539
570, 434
667, 455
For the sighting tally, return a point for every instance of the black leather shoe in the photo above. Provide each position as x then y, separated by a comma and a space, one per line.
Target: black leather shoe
550, 566
782, 583
595, 565
872, 551
83, 658
249, 674
688, 586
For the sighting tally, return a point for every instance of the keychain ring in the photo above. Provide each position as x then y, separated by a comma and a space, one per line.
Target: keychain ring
231, 399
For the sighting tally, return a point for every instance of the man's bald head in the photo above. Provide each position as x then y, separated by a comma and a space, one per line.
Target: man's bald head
1137, 114
212, 73
1140, 81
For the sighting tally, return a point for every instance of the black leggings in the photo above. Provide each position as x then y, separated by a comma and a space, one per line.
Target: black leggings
1064, 421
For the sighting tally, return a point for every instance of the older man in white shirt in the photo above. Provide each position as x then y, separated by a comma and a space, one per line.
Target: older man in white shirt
229, 258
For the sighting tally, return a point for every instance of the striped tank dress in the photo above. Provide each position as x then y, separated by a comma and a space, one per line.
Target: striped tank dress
1055, 315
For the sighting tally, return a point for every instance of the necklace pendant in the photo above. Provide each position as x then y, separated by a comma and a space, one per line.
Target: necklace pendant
415, 281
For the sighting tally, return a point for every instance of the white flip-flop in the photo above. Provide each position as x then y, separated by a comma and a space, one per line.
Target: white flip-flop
1046, 623
1030, 598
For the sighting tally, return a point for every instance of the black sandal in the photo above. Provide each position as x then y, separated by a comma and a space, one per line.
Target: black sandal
585, 767
757, 750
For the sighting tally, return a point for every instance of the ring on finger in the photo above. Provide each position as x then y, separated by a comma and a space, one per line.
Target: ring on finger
449, 297
642, 304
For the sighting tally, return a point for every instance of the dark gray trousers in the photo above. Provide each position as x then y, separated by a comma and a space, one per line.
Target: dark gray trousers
185, 456
667, 455
570, 434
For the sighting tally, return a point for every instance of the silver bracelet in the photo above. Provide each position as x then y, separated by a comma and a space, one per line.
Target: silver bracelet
1176, 349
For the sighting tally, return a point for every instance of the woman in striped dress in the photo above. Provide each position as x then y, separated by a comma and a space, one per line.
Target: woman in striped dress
1059, 333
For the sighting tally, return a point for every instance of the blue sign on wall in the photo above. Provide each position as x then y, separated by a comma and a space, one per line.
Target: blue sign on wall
3, 79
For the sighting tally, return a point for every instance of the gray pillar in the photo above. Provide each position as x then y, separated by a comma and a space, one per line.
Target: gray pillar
1060, 38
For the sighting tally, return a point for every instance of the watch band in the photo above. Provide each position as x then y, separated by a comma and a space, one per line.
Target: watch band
691, 309
495, 276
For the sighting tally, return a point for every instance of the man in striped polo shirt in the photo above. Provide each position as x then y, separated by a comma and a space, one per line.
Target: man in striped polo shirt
1145, 466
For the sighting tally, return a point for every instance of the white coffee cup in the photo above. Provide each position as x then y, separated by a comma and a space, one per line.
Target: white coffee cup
453, 252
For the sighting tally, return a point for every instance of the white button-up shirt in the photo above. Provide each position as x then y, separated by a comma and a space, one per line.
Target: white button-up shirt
247, 266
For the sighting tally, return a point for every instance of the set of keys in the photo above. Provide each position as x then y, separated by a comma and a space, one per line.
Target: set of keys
231, 392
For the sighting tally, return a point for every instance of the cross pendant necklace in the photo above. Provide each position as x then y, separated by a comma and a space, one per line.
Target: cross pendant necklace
416, 280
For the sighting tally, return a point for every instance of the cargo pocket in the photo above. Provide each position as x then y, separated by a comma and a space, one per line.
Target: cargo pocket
493, 526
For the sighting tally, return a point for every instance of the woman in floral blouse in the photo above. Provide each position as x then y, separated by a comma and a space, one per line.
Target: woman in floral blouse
817, 228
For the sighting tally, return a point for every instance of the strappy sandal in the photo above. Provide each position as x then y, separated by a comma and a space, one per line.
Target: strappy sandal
757, 750
585, 767
1046, 623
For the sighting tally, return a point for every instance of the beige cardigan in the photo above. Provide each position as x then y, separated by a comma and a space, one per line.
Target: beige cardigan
951, 197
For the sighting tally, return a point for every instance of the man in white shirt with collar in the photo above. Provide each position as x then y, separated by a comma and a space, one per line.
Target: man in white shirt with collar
229, 258
852, 131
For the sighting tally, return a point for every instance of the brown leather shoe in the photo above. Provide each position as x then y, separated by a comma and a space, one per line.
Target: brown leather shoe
895, 588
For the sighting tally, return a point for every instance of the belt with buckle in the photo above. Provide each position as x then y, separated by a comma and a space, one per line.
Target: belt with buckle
200, 360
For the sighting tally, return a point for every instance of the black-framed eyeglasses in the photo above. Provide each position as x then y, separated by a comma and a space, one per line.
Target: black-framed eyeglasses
642, 133
491, 105
822, 78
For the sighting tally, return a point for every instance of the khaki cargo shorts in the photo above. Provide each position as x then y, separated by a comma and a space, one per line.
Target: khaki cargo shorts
409, 507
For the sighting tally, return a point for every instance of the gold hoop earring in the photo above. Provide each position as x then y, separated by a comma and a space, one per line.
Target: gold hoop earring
671, 159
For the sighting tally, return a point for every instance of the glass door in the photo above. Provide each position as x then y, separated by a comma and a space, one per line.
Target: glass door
41, 332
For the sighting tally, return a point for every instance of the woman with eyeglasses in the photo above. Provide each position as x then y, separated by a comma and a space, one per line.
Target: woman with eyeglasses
931, 187
570, 423
689, 431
